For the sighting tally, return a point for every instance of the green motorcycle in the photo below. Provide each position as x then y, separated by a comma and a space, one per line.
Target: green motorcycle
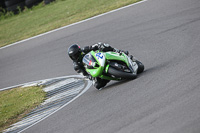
111, 65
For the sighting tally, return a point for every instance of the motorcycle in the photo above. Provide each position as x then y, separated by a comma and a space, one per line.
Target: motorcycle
112, 65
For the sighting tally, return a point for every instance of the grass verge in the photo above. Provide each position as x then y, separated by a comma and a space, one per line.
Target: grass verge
43, 18
17, 102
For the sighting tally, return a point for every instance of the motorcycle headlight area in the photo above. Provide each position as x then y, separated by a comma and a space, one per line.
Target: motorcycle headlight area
89, 61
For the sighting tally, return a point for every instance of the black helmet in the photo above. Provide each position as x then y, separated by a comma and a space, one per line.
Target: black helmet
74, 51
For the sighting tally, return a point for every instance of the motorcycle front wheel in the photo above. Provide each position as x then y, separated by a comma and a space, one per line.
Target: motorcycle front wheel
140, 67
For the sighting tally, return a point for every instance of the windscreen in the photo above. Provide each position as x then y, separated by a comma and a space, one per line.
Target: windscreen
89, 60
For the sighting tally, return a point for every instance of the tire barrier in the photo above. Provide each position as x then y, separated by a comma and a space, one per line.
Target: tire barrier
16, 6
2, 6
9, 3
48, 1
31, 3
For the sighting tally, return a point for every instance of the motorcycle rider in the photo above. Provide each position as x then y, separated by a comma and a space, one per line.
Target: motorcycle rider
76, 54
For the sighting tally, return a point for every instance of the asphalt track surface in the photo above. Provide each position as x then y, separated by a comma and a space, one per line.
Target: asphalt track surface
163, 34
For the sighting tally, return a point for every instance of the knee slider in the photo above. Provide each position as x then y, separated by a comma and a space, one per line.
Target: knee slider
76, 67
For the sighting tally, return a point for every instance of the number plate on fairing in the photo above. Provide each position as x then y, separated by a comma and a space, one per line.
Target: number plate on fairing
101, 58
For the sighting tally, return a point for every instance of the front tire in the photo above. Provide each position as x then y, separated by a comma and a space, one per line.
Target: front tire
140, 67
121, 74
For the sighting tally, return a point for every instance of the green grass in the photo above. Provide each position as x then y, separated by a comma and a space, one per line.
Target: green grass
60, 13
15, 103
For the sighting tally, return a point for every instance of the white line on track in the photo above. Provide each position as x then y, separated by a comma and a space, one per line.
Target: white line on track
73, 24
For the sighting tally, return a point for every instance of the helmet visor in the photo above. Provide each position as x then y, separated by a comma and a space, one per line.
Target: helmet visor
75, 56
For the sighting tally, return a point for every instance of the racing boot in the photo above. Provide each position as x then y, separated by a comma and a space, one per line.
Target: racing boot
100, 83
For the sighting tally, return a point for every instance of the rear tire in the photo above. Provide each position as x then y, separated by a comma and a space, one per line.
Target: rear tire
121, 74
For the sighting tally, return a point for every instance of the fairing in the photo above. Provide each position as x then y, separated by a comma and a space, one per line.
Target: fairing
95, 63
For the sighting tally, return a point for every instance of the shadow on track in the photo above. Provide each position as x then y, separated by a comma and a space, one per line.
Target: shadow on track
155, 68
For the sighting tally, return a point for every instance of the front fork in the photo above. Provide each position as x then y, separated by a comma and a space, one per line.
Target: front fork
135, 67
132, 64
